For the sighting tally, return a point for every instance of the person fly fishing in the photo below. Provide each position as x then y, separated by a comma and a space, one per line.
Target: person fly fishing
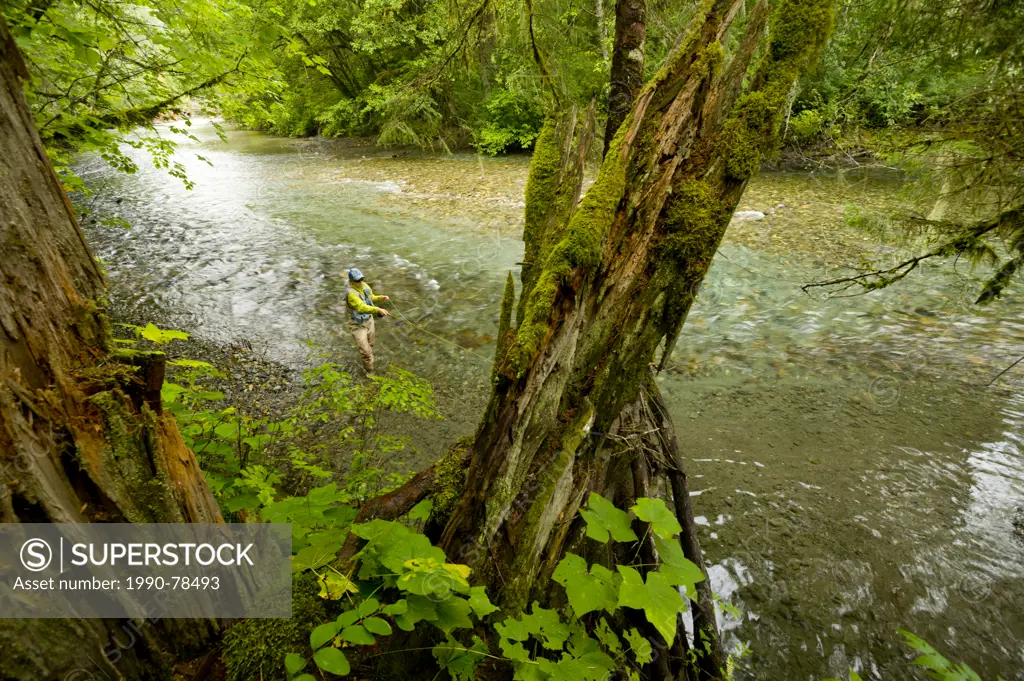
362, 306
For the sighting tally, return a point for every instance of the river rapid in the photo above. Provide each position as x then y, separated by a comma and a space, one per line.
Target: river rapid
852, 468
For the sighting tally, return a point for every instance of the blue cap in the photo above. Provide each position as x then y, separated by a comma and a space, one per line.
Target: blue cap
355, 275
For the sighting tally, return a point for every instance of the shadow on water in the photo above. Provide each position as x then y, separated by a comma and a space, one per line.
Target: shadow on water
853, 471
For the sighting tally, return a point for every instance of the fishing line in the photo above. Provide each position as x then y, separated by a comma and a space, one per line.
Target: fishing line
434, 335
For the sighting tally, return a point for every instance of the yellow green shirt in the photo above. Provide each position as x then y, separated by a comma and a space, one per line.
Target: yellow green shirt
357, 303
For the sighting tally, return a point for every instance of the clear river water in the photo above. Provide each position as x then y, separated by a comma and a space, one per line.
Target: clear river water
854, 468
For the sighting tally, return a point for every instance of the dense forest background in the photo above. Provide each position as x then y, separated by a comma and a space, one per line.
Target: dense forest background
932, 88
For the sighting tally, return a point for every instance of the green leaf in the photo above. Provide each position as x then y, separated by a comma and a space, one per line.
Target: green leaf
313, 557
677, 569
478, 600
347, 618
333, 586
397, 608
421, 511
663, 521
658, 599
323, 634
586, 591
160, 336
641, 647
457, 660
453, 613
418, 608
542, 624
603, 519
332, 661
358, 634
376, 625
293, 662
368, 607
195, 363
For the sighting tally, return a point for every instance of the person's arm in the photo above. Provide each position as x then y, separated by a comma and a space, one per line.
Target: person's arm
378, 299
357, 303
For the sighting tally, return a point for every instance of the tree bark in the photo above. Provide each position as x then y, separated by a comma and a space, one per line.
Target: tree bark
611, 281
82, 434
627, 74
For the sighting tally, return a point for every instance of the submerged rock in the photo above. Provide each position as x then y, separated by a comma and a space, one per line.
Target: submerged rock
748, 215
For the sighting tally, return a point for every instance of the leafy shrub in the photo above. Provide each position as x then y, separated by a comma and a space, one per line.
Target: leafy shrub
511, 122
403, 581
805, 126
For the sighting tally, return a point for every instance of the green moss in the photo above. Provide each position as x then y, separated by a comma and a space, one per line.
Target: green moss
254, 649
799, 26
505, 335
449, 480
709, 60
106, 376
799, 29
541, 184
128, 462
92, 324
137, 357
580, 247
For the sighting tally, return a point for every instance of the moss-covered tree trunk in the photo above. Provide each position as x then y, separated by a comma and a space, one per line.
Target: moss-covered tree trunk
82, 434
609, 280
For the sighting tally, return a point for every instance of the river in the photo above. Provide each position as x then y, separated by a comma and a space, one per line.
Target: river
852, 469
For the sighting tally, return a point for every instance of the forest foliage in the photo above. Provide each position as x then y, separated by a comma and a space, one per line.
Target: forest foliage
930, 88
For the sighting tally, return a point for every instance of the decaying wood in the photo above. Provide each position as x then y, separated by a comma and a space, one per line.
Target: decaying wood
75, 444
627, 72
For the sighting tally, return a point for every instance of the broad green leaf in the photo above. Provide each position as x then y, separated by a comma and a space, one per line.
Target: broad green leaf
194, 363
368, 607
397, 608
332, 661
347, 618
457, 660
663, 521
333, 586
607, 637
640, 646
542, 624
421, 511
593, 666
659, 600
677, 569
160, 336
418, 608
604, 520
478, 600
453, 613
586, 591
358, 634
323, 634
313, 557
293, 662
376, 625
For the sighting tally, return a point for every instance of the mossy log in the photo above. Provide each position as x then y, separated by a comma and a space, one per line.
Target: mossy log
82, 435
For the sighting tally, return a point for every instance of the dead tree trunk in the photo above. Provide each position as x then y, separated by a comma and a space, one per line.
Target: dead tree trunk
609, 279
627, 74
82, 435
